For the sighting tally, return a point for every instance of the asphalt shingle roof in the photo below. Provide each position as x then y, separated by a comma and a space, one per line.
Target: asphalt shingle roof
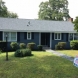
12, 24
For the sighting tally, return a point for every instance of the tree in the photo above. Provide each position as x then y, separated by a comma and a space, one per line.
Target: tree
76, 24
4, 11
12, 15
54, 10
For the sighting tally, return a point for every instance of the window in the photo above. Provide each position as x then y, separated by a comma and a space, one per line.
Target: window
73, 36
11, 36
76, 36
29, 35
57, 36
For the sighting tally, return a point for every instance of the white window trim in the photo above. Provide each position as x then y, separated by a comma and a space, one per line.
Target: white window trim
27, 36
10, 36
57, 36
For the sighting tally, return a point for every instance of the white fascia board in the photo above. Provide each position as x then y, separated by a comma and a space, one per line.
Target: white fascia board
7, 30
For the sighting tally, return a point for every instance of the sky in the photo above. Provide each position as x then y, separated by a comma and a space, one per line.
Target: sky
28, 9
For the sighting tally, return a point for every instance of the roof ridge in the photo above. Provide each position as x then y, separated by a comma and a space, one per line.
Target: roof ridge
33, 19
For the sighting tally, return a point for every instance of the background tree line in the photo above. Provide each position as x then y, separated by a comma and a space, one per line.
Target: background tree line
4, 11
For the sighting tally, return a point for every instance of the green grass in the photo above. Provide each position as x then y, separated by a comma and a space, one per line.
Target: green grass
40, 65
71, 53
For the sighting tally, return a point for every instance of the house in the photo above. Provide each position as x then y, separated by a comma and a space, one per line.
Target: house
42, 32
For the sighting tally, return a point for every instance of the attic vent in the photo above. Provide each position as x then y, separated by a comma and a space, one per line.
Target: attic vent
28, 23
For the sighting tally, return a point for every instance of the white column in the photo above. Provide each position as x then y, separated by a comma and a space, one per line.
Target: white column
39, 38
50, 40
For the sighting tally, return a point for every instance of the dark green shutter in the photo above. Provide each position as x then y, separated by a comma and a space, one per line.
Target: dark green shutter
67, 36
62, 36
1, 35
52, 36
25, 35
18, 36
32, 35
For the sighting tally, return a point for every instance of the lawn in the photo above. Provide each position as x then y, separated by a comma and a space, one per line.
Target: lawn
71, 53
40, 65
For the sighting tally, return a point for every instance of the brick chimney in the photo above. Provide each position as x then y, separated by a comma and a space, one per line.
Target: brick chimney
70, 19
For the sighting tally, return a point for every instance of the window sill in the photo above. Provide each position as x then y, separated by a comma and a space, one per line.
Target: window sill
57, 39
28, 39
11, 41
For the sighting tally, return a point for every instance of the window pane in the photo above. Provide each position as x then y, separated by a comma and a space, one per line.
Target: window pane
13, 36
29, 35
71, 36
55, 35
58, 35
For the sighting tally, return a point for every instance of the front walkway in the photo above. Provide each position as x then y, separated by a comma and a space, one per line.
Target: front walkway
61, 55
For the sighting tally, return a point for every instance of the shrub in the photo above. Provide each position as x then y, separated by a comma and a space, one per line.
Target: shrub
62, 45
31, 45
14, 45
27, 52
74, 44
18, 53
40, 47
3, 46
22, 45
57, 47
22, 53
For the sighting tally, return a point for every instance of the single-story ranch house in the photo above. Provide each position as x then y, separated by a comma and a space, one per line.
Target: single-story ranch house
41, 32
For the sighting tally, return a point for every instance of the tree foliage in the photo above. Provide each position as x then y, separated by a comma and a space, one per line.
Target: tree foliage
54, 10
76, 24
4, 11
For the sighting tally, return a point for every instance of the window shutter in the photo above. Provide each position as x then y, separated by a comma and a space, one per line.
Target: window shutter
18, 36
67, 36
32, 35
52, 36
1, 35
25, 35
62, 36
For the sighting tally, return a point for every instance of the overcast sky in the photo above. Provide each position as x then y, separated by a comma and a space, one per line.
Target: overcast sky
28, 9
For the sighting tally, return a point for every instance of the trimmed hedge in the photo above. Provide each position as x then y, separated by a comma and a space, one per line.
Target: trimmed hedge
14, 45
74, 44
57, 47
40, 47
22, 53
31, 45
22, 45
60, 46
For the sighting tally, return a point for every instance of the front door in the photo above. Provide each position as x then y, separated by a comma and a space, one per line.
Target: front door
45, 39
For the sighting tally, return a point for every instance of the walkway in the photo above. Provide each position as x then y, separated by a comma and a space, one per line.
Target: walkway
61, 55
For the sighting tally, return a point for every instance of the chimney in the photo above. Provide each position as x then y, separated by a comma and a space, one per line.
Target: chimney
70, 19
